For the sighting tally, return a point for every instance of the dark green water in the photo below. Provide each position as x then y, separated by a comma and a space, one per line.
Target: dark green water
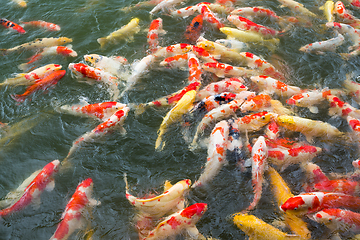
106, 161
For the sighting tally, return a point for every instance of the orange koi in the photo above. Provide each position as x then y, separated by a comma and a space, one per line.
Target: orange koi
43, 83
253, 122
256, 103
46, 25
193, 31
9, 24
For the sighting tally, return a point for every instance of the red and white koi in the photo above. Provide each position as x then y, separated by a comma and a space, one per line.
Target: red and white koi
245, 24
345, 15
195, 70
226, 70
91, 74
353, 89
177, 61
193, 31
55, 50
209, 16
259, 154
321, 47
272, 86
235, 145
43, 83
184, 12
233, 44
351, 32
354, 124
251, 12
257, 103
297, 7
355, 3
253, 122
340, 108
73, 216
172, 50
203, 54
157, 206
233, 85
165, 5
30, 77
155, 29
46, 25
216, 153
116, 121
265, 67
43, 181
338, 219
9, 24
114, 64
183, 220
101, 111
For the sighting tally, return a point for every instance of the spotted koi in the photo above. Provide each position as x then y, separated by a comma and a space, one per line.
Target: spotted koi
14, 26
172, 50
256, 103
185, 12
253, 122
271, 85
272, 130
353, 89
165, 5
113, 64
233, 44
226, 70
345, 15
340, 108
155, 29
321, 47
209, 16
179, 61
251, 12
234, 147
46, 25
202, 54
193, 31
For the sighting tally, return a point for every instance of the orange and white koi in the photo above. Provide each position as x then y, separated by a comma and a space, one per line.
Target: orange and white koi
251, 12
169, 201
116, 121
101, 111
265, 67
42, 83
353, 89
155, 29
38, 43
195, 70
181, 107
345, 15
233, 85
226, 70
257, 103
310, 128
354, 124
170, 99
184, 12
340, 108
202, 54
30, 77
164, 5
234, 147
172, 50
253, 37
297, 7
209, 16
177, 61
43, 181
315, 201
183, 220
355, 3
271, 85
245, 24
126, 32
55, 50
351, 32
216, 154
113, 64
253, 122
233, 44
338, 219
46, 25
282, 158
272, 130
9, 24
193, 31
259, 155
90, 74
73, 216
321, 47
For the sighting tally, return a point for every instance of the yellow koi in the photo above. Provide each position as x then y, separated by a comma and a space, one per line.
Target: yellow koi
328, 9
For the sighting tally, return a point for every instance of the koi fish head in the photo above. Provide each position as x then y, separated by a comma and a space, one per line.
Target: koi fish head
78, 69
339, 7
286, 121
194, 212
293, 204
207, 45
64, 40
86, 186
66, 51
92, 58
330, 217
303, 203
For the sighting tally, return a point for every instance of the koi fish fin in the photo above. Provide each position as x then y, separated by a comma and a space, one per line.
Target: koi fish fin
122, 130
50, 186
18, 97
309, 138
102, 41
93, 202
36, 203
23, 66
193, 232
3, 51
313, 109
167, 185
140, 109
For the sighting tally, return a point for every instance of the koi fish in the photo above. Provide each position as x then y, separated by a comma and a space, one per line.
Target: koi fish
155, 29
31, 77
195, 70
209, 16
234, 146
272, 130
90, 74
125, 32
310, 128
184, 12
20, 3
158, 206
101, 111
246, 36
172, 50
233, 85
193, 31
181, 107
353, 89
282, 192
114, 64
257, 229
233, 44
43, 181
354, 124
345, 16
202, 54
315, 201
328, 9
321, 47
271, 85
179, 61
265, 67
340, 108
216, 154
259, 154
253, 122
116, 121
55, 50
9, 24
251, 12
297, 7
38, 43
226, 70
256, 103
43, 83
243, 23
46, 25
73, 216
183, 220
355, 3
338, 219
164, 5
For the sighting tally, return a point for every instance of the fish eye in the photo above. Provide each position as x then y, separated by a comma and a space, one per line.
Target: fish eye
263, 117
295, 208
92, 57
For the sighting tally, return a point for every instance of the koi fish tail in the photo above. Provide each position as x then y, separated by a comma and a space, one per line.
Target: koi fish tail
23, 66
140, 109
18, 98
3, 51
271, 44
160, 144
102, 41
257, 196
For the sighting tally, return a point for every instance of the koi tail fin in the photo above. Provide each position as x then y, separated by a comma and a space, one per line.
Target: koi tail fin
23, 66
140, 109
18, 98
272, 44
102, 41
3, 51
159, 144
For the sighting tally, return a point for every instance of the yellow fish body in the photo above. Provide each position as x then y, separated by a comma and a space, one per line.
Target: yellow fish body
181, 107
328, 9
125, 32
